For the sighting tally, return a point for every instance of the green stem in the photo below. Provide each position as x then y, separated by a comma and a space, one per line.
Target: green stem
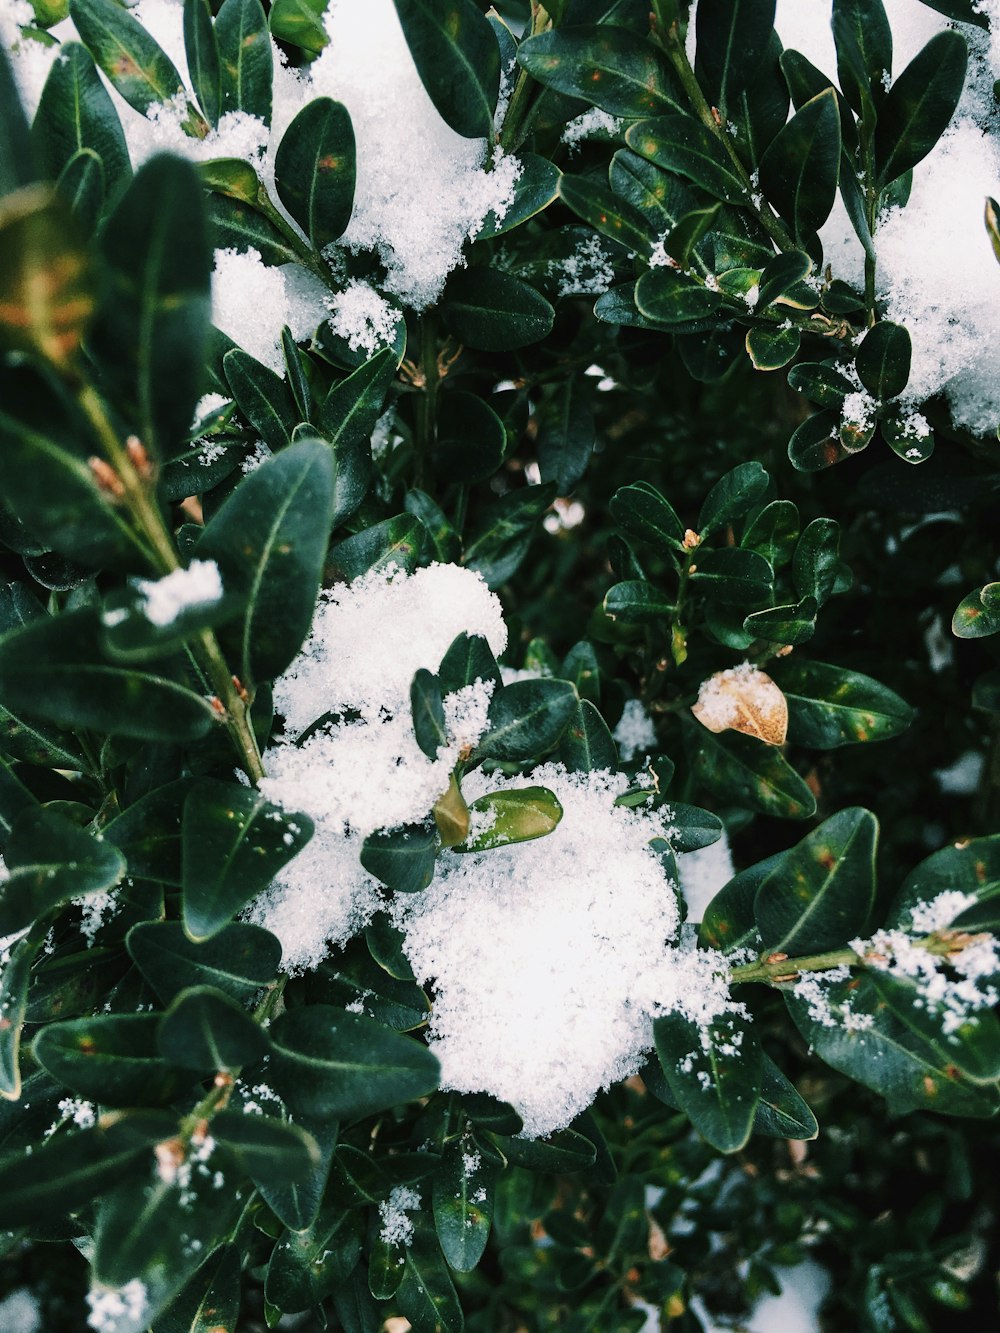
139, 496
871, 214
427, 404
768, 972
522, 104
667, 32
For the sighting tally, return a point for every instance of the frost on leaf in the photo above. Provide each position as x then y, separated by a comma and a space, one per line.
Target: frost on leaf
744, 699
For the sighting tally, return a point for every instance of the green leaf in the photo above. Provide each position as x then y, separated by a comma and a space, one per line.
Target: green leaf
201, 50
64, 1173
728, 921
75, 111
830, 706
681, 240
471, 439
151, 330
732, 496
641, 511
148, 833
816, 444
816, 563
800, 169
45, 452
794, 623
606, 66
636, 602
133, 62
107, 1059
773, 533
266, 1148
314, 170
51, 861
733, 576
246, 64
587, 743
300, 23
714, 1073
237, 961
581, 666
661, 198
676, 300
234, 843
263, 397
749, 773
55, 669
906, 435
210, 1300
237, 225
689, 827
820, 382
978, 613
562, 1152
781, 1112
770, 349
535, 188
330, 1063
883, 360
469, 658
14, 980
402, 859
427, 709
971, 867
919, 106
296, 1203
505, 532
877, 1048
462, 1199
399, 541
269, 540
684, 146
823, 891
525, 720
347, 416
458, 60
732, 37
81, 185
517, 814
205, 1030
492, 311
426, 1295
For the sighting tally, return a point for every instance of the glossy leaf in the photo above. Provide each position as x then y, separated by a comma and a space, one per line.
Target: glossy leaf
863, 40
399, 541
800, 170
773, 533
458, 60
674, 300
64, 1173
471, 439
330, 1063
210, 1300
300, 23
516, 814
793, 623
587, 743
821, 894
821, 383
535, 188
733, 576
237, 961
920, 105
237, 225
641, 511
462, 1199
883, 360
770, 349
526, 719
201, 50
269, 540
76, 111
234, 843
684, 146
130, 58
402, 859
204, 1029
732, 36
606, 66
830, 706
781, 1112
972, 868
978, 613
263, 397
468, 659
717, 1086
728, 921
636, 602
750, 773
51, 861
14, 981
246, 63
731, 496
109, 1059
816, 444
816, 563
314, 170
426, 1294
82, 186
493, 311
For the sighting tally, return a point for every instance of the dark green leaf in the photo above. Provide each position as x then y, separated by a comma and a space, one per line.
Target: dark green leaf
300, 23
684, 146
770, 349
920, 105
14, 980
133, 62
107, 1059
236, 225
493, 311
462, 1197
330, 1063
816, 563
566, 435
82, 187
641, 511
238, 960
51, 861
971, 867
246, 64
732, 37
266, 1148
714, 1073
732, 496
210, 1300
794, 623
564, 1151
263, 397
675, 300
427, 710
402, 859
76, 111
800, 170
816, 444
781, 1112
863, 40
17, 161
517, 814
314, 170
471, 439
822, 384
660, 197
467, 660
201, 50
206, 1030
55, 669
689, 827
636, 602
399, 541
526, 720
151, 329
749, 773
296, 1203
347, 415
883, 360
978, 613
458, 60
587, 743
907, 435
728, 921
426, 1295
773, 533
64, 1173
505, 531
535, 188
823, 891
269, 539
830, 706
234, 843
733, 576
681, 240
607, 66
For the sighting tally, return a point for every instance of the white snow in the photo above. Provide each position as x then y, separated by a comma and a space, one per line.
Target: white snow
397, 1225
20, 1312
252, 301
635, 732
166, 598
703, 873
107, 1306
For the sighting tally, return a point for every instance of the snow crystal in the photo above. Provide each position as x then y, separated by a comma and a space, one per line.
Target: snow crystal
703, 873
198, 585
954, 999
397, 1226
363, 318
550, 959
635, 731
591, 124
940, 912
588, 271
362, 770
107, 1306
813, 989
30, 59
20, 1312
83, 1114
252, 301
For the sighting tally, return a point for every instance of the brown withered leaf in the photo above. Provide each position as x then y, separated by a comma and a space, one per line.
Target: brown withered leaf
745, 699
